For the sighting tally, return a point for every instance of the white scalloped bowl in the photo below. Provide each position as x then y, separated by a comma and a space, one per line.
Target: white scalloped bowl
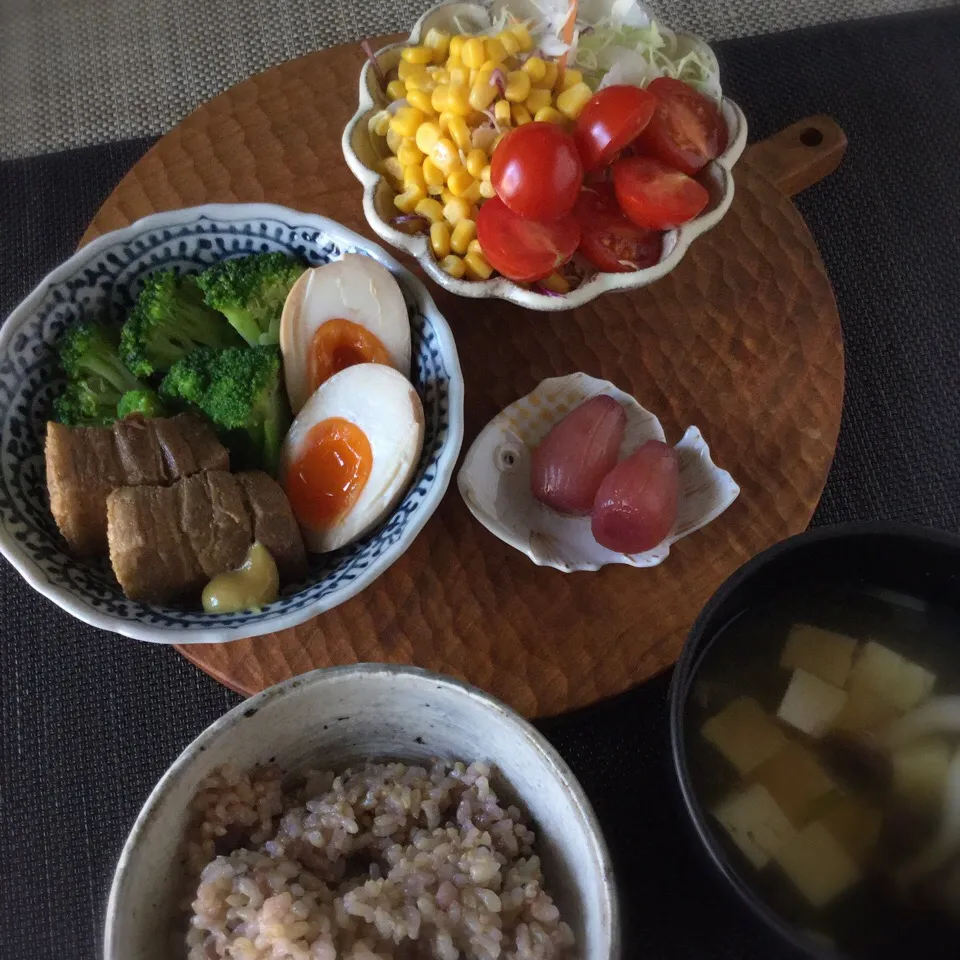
363, 152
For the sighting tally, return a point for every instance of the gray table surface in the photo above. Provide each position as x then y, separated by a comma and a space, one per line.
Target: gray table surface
79, 72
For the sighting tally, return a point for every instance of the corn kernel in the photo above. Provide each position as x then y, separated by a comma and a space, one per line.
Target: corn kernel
434, 190
459, 74
406, 120
474, 247
520, 114
472, 194
446, 197
510, 43
487, 190
421, 100
459, 133
396, 89
459, 182
455, 50
569, 78
476, 161
445, 155
416, 54
453, 266
393, 168
380, 123
477, 267
496, 142
573, 100
501, 110
550, 73
495, 50
517, 86
440, 238
427, 135
472, 75
443, 121
537, 100
440, 75
438, 99
549, 115
473, 53
535, 68
394, 140
519, 30
409, 153
556, 283
483, 92
407, 201
455, 210
458, 99
485, 173
406, 70
431, 209
437, 42
413, 177
420, 81
463, 233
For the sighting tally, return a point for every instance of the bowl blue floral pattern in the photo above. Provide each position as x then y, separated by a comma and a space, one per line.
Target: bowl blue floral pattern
103, 279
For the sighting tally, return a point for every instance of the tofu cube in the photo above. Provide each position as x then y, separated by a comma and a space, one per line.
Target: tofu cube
823, 653
796, 781
817, 865
855, 825
755, 824
810, 704
900, 682
744, 734
864, 712
920, 773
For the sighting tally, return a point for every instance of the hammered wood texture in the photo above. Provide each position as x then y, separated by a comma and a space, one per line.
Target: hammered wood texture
743, 340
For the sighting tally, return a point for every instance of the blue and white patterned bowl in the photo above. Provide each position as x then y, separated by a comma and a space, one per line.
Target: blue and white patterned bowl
103, 279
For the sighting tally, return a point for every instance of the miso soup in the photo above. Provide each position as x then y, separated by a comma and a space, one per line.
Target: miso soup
823, 744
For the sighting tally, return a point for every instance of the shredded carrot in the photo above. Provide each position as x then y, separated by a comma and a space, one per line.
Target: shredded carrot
567, 33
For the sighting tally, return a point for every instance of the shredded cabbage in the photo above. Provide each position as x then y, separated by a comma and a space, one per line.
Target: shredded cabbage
627, 45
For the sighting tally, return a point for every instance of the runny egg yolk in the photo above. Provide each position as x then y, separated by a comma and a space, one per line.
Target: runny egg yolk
339, 344
333, 467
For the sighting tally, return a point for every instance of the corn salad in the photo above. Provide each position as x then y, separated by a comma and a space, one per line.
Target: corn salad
452, 101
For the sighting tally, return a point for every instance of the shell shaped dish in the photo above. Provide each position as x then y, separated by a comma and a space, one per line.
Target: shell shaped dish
494, 480
103, 279
363, 150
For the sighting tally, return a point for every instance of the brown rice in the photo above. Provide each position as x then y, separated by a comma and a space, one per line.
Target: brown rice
385, 861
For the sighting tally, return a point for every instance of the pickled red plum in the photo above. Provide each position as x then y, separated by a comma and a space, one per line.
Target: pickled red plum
568, 467
636, 504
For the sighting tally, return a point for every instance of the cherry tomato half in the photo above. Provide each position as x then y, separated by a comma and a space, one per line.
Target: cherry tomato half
654, 195
686, 129
523, 249
612, 119
537, 172
608, 239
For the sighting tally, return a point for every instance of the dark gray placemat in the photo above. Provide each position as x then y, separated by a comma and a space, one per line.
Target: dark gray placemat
89, 722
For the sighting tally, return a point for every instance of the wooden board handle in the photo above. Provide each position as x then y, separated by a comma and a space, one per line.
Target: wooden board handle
801, 155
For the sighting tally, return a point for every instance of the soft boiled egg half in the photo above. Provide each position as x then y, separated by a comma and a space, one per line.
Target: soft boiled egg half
351, 453
346, 312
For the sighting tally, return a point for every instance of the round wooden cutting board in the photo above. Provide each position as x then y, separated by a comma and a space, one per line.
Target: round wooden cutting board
743, 340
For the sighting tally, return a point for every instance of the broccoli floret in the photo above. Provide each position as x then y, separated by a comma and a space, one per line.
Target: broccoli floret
241, 392
168, 321
82, 405
250, 293
96, 376
144, 402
